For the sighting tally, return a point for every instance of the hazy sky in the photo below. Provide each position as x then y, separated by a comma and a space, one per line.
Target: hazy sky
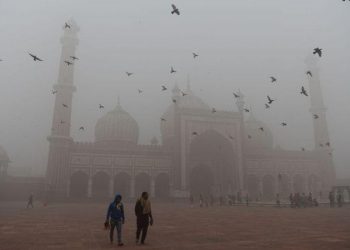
240, 43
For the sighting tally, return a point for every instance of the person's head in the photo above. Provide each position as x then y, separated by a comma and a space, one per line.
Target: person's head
144, 195
118, 198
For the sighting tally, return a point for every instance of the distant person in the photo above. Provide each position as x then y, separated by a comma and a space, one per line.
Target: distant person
30, 201
200, 200
144, 217
191, 200
291, 200
115, 218
309, 200
278, 202
212, 200
239, 197
339, 200
331, 198
247, 200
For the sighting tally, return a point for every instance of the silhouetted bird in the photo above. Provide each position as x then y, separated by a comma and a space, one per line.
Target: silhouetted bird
101, 106
164, 88
62, 122
82, 128
54, 92
303, 91
231, 137
316, 116
183, 93
66, 25
262, 129
270, 100
321, 145
328, 144
194, 55
213, 110
267, 106
318, 51
246, 110
249, 137
140, 91
235, 95
68, 63
65, 105
175, 10
74, 57
194, 133
172, 70
174, 100
129, 73
162, 119
302, 149
284, 124
35, 58
273, 79
309, 73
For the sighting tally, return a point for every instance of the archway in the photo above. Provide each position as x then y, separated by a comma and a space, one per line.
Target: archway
162, 186
142, 184
122, 182
100, 185
210, 148
268, 183
78, 185
298, 184
201, 181
253, 186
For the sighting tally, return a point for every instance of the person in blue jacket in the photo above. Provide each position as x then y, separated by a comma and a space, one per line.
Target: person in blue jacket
115, 218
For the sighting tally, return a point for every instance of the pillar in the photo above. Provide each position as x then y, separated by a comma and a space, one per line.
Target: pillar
111, 187
90, 187
132, 187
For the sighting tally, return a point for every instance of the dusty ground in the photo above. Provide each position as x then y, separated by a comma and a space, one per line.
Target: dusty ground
80, 226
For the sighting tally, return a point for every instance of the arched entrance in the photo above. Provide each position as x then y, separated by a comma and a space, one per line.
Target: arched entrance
201, 181
162, 186
253, 187
215, 150
142, 184
100, 185
298, 184
78, 185
268, 183
122, 182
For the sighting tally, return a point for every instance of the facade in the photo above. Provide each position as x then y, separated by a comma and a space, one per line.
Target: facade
201, 151
4, 162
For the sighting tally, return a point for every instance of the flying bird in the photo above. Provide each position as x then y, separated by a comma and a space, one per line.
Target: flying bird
316, 116
66, 25
62, 122
35, 58
213, 110
54, 92
273, 79
246, 110
74, 58
174, 100
321, 145
302, 149
183, 93
162, 119
262, 129
194, 55
68, 63
235, 95
101, 106
128, 73
267, 106
231, 137
175, 10
65, 105
284, 124
249, 137
270, 100
194, 133
309, 73
318, 51
303, 91
172, 70
328, 144
140, 91
164, 88
82, 128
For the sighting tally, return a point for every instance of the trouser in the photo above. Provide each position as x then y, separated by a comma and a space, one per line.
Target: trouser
30, 203
142, 226
118, 225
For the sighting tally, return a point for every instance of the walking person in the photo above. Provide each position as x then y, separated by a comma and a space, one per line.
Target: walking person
115, 218
144, 217
30, 200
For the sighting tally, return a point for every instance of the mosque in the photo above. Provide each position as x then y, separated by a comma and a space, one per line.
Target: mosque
200, 152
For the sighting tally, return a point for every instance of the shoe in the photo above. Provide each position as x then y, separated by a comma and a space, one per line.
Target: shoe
120, 244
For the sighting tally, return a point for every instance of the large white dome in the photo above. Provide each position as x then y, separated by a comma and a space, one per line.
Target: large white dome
117, 127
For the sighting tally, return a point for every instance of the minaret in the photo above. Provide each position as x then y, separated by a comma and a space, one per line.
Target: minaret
321, 135
60, 140
240, 105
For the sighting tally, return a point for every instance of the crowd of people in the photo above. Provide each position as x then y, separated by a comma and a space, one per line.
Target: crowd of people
298, 200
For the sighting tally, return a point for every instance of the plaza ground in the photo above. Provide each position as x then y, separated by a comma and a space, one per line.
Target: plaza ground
177, 226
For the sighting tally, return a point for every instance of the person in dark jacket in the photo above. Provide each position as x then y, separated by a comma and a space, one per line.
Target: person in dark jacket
115, 218
144, 217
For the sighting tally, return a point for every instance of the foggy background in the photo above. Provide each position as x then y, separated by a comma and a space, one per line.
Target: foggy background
241, 43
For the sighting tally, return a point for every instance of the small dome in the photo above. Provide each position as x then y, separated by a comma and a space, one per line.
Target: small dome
255, 138
117, 127
3, 155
